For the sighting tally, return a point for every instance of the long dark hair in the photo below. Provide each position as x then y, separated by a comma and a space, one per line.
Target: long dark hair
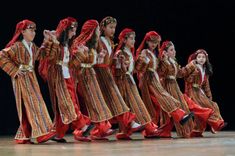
93, 42
64, 37
208, 67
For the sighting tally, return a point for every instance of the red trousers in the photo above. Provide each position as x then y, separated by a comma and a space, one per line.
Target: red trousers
81, 121
124, 121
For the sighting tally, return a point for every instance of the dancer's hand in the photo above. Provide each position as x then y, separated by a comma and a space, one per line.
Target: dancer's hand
46, 34
20, 73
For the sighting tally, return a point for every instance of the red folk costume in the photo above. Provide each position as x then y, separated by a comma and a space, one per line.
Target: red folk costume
18, 56
127, 86
61, 83
110, 91
197, 87
83, 61
154, 95
170, 70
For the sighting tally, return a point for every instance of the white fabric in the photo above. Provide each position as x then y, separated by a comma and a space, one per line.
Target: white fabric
174, 64
95, 57
202, 70
29, 49
154, 59
107, 44
131, 66
154, 65
65, 68
131, 60
134, 124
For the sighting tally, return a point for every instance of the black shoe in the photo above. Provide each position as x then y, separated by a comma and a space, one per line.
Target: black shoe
186, 118
87, 131
59, 140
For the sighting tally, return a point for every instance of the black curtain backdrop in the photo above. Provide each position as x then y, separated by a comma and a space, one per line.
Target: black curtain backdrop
190, 25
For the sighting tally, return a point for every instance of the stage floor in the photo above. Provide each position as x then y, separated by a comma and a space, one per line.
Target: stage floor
221, 144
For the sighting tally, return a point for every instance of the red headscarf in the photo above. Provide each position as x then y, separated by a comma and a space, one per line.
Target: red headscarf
88, 29
165, 45
64, 24
122, 36
194, 55
150, 36
22, 25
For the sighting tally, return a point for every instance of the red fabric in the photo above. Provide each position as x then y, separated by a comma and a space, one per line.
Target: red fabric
202, 113
25, 125
150, 128
122, 36
177, 115
82, 120
101, 65
64, 24
88, 29
61, 128
125, 122
157, 109
216, 125
165, 130
46, 137
194, 55
148, 37
22, 25
100, 129
113, 121
43, 67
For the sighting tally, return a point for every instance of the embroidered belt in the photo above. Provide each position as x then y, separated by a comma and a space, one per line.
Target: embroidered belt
62, 63
26, 68
86, 65
196, 85
171, 77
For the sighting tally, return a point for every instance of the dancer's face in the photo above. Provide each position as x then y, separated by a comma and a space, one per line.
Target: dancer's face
29, 34
201, 58
152, 45
109, 30
171, 51
130, 41
72, 32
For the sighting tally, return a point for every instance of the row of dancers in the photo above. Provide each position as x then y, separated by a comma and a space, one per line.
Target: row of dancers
92, 86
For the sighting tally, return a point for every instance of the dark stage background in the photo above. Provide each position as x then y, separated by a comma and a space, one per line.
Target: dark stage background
190, 24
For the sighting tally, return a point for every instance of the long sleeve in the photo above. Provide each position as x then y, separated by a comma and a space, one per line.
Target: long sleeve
118, 66
141, 64
77, 59
185, 71
45, 50
7, 62
163, 67
55, 48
